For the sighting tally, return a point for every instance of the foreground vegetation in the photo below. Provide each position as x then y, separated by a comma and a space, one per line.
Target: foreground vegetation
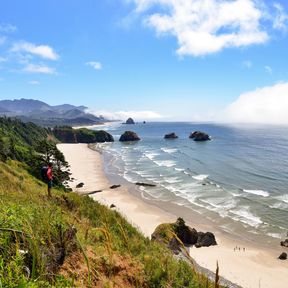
72, 241
69, 240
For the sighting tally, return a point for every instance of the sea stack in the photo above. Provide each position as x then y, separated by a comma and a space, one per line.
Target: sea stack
199, 136
129, 136
171, 136
129, 121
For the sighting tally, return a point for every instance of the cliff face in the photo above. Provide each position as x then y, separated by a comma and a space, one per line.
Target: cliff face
67, 134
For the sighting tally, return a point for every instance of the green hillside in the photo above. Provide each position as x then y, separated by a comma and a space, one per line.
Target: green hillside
70, 240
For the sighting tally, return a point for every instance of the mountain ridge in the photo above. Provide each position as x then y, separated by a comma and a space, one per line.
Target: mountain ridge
41, 113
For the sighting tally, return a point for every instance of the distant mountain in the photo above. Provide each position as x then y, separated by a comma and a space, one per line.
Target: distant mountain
41, 113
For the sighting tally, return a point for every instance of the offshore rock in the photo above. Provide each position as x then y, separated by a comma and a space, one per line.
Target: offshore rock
171, 136
199, 136
129, 136
129, 121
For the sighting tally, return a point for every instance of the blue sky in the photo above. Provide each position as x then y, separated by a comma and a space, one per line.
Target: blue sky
151, 59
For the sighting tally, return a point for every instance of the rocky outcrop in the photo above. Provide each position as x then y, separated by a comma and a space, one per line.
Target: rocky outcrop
199, 136
174, 235
205, 240
67, 134
171, 136
284, 243
129, 136
129, 121
283, 256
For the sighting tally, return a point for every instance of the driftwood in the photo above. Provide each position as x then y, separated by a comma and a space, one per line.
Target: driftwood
114, 186
89, 193
145, 184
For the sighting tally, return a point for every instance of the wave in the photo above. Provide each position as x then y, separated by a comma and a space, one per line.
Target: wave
257, 192
165, 163
275, 235
244, 215
151, 155
169, 150
283, 198
200, 177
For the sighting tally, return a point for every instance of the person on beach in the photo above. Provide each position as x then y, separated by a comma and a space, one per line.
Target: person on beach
49, 178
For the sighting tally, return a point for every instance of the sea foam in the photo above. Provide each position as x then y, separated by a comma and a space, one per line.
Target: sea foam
257, 192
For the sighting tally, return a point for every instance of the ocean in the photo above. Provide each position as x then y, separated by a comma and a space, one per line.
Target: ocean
238, 180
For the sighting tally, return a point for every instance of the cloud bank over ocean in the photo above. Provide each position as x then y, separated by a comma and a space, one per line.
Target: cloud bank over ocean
266, 105
123, 115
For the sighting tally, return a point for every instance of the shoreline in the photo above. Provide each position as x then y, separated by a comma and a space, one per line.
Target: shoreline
87, 166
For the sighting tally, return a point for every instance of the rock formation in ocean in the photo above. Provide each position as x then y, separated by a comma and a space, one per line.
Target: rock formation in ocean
129, 121
129, 136
170, 136
199, 136
174, 235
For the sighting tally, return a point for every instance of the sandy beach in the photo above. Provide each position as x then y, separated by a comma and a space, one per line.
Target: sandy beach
257, 266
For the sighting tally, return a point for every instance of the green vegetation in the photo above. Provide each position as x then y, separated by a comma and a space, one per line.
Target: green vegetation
70, 240
67, 134
33, 145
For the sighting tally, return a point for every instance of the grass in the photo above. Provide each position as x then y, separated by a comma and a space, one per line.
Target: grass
73, 241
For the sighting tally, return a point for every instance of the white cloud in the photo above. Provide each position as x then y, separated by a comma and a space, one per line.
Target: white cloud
205, 26
42, 69
266, 105
268, 69
280, 20
96, 65
123, 115
34, 82
247, 64
43, 51
7, 28
2, 40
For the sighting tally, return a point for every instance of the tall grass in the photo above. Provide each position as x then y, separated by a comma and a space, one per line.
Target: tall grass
72, 241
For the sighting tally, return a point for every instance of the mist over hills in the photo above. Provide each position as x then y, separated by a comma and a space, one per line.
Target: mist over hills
41, 113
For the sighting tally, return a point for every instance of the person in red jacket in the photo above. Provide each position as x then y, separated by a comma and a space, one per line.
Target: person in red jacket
50, 178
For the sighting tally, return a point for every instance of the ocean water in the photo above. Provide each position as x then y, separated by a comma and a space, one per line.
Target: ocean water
239, 180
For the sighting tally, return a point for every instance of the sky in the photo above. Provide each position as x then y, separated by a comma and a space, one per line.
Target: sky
158, 60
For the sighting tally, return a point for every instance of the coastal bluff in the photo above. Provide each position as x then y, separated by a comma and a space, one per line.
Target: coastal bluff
174, 235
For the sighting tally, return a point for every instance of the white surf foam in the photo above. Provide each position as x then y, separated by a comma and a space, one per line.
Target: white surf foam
151, 155
275, 235
200, 177
165, 163
257, 192
169, 150
244, 215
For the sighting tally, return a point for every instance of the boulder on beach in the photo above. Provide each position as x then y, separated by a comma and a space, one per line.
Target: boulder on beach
170, 136
284, 243
129, 121
129, 136
80, 185
205, 240
283, 256
174, 235
199, 136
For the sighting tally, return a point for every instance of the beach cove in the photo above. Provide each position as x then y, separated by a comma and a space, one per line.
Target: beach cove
257, 266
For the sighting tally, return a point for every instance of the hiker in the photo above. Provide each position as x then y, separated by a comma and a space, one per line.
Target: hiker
49, 178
